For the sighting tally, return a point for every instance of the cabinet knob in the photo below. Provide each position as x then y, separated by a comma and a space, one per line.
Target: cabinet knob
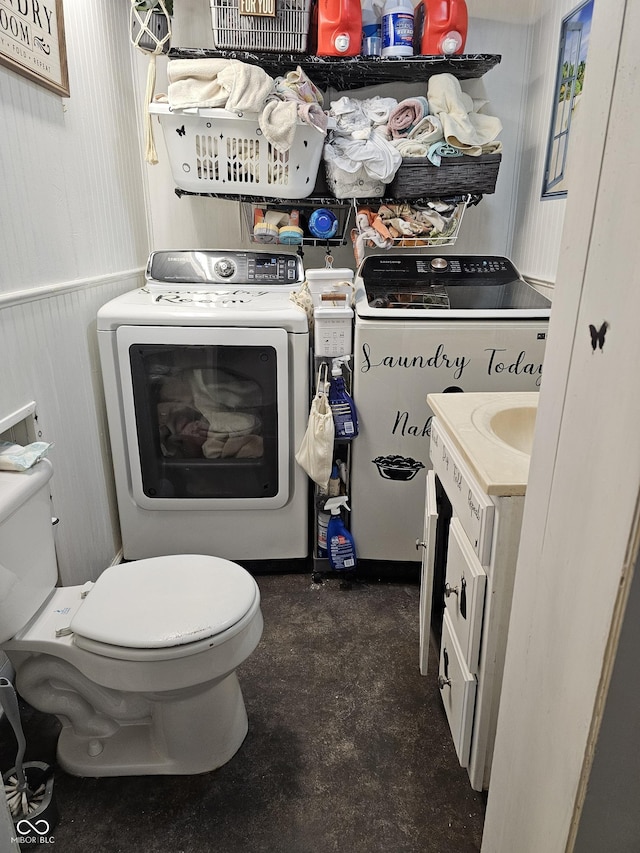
420, 544
450, 590
443, 682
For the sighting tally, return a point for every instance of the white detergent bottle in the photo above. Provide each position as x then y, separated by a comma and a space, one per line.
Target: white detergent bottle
397, 28
341, 548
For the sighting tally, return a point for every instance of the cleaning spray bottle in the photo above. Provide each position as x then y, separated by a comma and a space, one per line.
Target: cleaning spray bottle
340, 545
343, 408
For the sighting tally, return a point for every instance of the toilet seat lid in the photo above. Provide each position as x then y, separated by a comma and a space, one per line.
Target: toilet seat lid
165, 601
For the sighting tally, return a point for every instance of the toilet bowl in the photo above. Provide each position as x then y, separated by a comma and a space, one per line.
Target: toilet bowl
139, 666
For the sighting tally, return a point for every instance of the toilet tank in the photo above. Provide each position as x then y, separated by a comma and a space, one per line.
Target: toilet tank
28, 569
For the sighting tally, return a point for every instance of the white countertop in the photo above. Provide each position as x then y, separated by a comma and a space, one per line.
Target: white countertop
500, 469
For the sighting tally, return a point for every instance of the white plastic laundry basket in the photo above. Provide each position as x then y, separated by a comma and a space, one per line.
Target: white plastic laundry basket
217, 151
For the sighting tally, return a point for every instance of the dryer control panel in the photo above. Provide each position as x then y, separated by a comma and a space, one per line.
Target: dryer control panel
210, 266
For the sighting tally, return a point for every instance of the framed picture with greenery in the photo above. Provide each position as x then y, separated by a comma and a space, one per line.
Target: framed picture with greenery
572, 62
32, 42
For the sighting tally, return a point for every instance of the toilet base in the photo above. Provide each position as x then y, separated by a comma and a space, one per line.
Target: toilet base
184, 735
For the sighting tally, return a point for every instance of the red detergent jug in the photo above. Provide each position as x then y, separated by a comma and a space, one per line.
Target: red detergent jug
339, 27
442, 27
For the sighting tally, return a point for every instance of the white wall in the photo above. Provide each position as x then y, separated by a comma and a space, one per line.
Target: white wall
73, 235
580, 529
538, 222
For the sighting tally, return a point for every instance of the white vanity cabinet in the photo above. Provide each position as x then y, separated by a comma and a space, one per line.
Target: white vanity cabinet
468, 582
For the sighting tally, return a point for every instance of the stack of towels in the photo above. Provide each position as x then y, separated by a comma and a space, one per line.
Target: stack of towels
372, 136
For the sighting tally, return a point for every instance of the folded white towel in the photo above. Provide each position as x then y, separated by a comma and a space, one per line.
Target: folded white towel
462, 127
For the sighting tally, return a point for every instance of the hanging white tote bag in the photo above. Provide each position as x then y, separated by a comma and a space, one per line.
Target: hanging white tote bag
315, 454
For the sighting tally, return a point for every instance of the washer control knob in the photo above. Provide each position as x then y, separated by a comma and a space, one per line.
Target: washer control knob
439, 264
225, 268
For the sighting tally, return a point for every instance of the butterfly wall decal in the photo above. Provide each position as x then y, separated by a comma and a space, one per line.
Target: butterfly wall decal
598, 335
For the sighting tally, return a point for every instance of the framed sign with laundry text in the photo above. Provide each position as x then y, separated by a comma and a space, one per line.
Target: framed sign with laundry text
32, 42
567, 94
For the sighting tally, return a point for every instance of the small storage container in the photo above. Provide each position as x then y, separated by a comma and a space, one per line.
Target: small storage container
220, 152
285, 32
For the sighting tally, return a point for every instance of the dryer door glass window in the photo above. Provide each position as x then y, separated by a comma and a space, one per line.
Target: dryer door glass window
206, 420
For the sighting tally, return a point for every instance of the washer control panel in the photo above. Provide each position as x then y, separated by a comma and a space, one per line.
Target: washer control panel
451, 268
210, 266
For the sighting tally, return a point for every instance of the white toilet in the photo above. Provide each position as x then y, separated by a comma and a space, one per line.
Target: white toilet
140, 666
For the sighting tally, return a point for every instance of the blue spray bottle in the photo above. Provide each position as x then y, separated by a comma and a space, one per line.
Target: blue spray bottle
343, 408
341, 548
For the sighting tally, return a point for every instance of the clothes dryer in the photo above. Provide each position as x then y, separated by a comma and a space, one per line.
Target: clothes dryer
206, 380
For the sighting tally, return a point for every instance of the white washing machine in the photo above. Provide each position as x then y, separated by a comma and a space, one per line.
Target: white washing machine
206, 380
428, 324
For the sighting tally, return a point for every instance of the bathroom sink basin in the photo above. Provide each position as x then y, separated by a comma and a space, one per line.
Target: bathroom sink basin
506, 422
494, 432
515, 427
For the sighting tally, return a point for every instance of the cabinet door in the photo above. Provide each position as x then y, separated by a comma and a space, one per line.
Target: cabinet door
458, 691
464, 593
428, 546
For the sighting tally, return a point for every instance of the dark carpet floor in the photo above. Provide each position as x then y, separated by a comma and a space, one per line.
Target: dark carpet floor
348, 746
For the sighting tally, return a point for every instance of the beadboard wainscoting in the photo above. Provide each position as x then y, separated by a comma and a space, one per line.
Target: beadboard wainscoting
49, 350
74, 234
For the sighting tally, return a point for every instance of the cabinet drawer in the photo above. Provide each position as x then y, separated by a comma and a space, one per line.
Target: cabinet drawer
464, 593
458, 691
428, 546
472, 506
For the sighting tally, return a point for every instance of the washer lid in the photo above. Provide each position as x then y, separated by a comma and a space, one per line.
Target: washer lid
165, 601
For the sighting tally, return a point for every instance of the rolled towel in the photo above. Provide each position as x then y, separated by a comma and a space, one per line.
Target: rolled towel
427, 130
406, 115
410, 147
